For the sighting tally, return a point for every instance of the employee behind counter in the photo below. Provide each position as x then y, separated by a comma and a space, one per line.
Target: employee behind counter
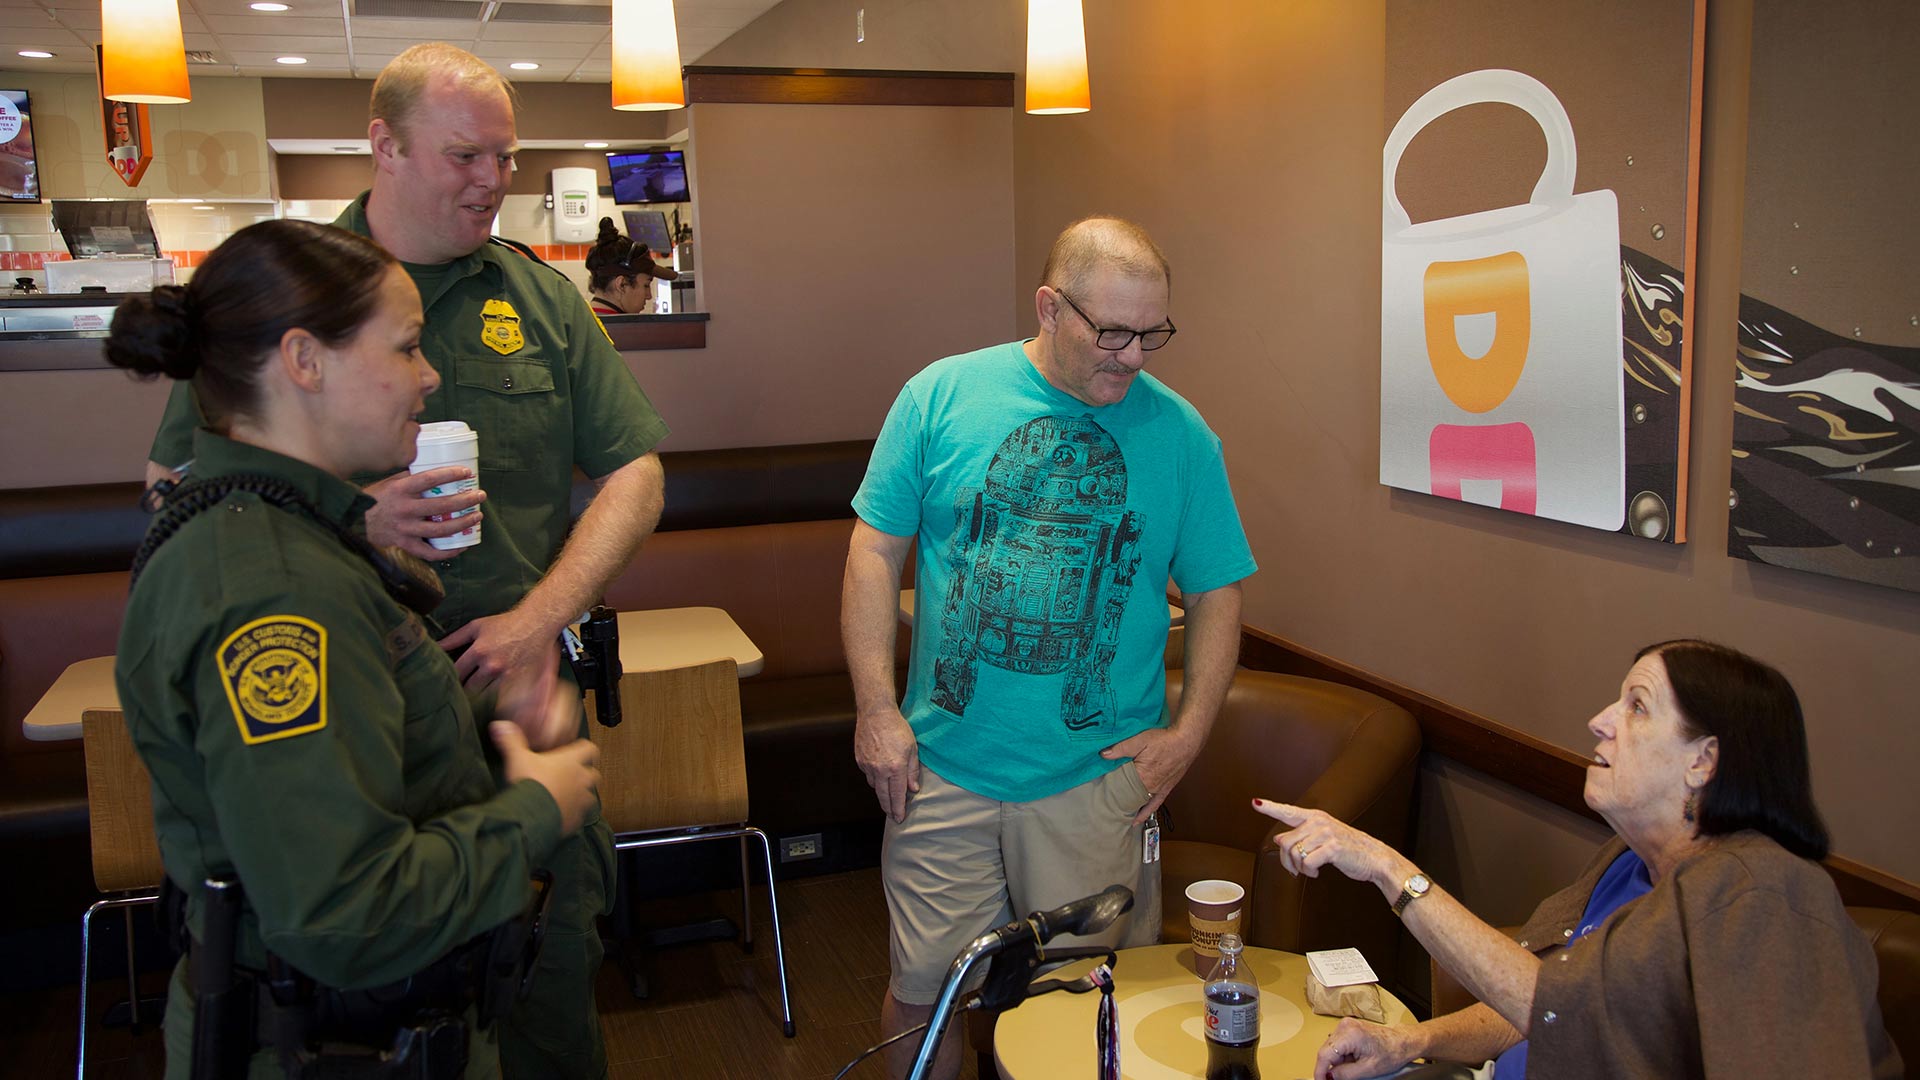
622, 274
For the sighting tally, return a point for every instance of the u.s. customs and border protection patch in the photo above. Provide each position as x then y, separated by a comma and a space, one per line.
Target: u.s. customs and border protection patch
275, 673
500, 327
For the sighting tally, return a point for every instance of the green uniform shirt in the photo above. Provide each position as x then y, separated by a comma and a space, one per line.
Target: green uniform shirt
304, 731
524, 362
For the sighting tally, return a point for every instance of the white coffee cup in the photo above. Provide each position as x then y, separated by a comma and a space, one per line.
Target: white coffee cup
450, 442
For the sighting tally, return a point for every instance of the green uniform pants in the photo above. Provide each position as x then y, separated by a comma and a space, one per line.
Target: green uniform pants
554, 1034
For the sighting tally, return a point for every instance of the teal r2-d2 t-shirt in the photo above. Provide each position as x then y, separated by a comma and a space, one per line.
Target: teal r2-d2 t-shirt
1047, 531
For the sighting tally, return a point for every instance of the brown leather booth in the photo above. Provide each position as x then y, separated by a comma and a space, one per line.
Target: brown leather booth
1304, 741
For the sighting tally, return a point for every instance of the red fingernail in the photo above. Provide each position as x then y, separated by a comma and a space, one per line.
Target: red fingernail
1256, 802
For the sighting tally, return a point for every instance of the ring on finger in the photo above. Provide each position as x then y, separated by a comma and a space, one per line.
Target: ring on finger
1300, 850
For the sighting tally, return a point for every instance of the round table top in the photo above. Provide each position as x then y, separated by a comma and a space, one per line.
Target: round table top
1162, 1020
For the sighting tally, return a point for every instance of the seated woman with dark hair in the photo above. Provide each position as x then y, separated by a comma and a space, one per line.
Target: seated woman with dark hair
622, 273
1703, 940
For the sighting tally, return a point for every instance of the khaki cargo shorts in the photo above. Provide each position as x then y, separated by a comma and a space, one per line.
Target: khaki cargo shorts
962, 864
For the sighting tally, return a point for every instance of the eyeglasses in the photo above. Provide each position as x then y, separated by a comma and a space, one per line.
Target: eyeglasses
1116, 338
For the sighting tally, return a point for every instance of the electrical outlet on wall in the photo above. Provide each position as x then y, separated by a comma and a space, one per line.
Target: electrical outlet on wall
795, 848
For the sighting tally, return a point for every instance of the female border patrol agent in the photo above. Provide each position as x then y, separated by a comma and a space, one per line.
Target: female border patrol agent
304, 733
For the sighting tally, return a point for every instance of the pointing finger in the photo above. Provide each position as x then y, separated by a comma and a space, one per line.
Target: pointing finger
1279, 811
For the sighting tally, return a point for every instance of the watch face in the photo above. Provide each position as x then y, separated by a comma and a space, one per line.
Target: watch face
1418, 884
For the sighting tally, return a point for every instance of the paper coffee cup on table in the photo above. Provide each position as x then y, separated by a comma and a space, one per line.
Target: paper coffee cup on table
1213, 908
450, 442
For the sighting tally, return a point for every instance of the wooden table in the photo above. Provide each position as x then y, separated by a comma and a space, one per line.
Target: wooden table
1162, 1020
86, 684
1176, 615
649, 641
683, 637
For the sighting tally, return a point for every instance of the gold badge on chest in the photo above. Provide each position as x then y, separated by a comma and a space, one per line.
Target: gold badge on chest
500, 327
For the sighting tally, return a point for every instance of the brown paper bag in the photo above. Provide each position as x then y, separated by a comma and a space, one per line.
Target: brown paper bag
1360, 1000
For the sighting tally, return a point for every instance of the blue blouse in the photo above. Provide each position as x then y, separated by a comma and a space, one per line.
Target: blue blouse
1626, 880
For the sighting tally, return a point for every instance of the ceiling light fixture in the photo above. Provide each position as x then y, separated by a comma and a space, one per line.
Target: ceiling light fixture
36, 54
595, 145
1057, 58
142, 56
524, 65
646, 57
268, 7
289, 59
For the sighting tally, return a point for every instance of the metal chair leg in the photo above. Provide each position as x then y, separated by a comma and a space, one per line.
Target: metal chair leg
746, 900
86, 957
86, 952
779, 942
133, 974
632, 841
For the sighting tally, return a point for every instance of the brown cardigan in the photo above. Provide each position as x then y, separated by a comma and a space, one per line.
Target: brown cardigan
1741, 963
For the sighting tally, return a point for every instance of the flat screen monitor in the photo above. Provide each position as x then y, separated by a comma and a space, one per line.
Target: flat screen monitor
655, 176
19, 176
105, 227
649, 227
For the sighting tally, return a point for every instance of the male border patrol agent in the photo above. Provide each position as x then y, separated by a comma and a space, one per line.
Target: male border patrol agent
525, 363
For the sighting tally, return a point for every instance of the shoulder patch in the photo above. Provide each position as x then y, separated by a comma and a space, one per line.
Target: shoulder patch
275, 673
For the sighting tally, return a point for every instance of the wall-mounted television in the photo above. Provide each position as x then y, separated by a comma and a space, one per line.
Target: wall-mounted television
652, 176
649, 227
19, 177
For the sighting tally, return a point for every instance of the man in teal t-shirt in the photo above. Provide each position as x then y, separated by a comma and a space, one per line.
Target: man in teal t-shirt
1053, 487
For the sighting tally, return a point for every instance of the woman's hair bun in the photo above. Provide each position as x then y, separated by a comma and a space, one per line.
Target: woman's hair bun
607, 231
152, 334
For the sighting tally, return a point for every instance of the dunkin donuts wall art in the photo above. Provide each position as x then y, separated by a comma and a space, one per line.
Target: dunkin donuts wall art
1826, 426
1540, 177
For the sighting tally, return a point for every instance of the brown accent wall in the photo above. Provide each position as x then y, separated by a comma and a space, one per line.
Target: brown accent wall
1254, 156
840, 249
322, 176
337, 109
343, 176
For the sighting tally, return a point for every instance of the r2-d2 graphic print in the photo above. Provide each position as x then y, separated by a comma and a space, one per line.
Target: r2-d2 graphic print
1042, 563
1500, 374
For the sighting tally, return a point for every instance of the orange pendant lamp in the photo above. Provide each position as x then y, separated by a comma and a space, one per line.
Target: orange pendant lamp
142, 56
1057, 58
646, 57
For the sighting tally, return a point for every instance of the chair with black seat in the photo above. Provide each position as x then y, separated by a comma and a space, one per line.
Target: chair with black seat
675, 772
126, 854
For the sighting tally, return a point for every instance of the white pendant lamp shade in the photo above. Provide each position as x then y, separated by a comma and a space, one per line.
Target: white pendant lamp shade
142, 56
1057, 58
646, 57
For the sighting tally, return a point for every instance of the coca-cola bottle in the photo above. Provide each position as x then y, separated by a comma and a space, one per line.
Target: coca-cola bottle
1233, 1017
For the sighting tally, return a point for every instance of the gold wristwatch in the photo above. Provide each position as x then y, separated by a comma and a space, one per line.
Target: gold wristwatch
1415, 888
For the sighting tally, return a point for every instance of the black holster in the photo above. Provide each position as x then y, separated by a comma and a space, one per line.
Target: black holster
223, 1006
594, 655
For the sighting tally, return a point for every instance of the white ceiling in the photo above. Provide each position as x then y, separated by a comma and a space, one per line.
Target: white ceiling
344, 39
